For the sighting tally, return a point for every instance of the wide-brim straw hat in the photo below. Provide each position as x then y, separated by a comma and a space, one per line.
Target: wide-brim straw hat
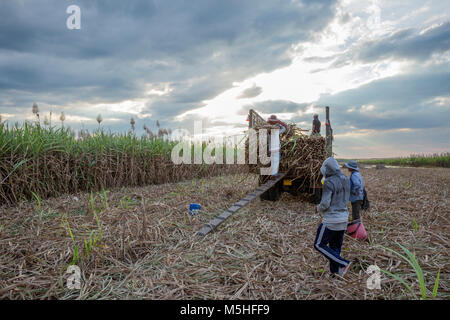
352, 165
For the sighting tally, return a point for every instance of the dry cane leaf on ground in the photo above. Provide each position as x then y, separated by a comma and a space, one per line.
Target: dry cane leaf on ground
148, 248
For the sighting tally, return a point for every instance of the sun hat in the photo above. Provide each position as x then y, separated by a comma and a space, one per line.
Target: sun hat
273, 119
352, 165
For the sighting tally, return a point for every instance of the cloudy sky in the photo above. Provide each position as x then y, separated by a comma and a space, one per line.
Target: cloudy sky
382, 66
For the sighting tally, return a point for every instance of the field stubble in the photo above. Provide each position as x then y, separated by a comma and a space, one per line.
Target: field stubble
148, 247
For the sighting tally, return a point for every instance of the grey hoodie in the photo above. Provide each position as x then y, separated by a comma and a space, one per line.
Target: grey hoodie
336, 193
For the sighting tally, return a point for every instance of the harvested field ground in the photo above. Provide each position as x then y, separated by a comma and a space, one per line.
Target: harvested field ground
148, 248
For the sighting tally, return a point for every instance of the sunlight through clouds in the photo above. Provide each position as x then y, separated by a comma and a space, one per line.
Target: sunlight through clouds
305, 80
380, 65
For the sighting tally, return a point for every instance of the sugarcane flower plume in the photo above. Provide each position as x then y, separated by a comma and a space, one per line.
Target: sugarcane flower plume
35, 109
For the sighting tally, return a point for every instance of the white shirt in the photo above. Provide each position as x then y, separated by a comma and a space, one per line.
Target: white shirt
275, 144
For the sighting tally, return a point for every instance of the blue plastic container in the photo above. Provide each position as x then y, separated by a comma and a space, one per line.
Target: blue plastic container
194, 208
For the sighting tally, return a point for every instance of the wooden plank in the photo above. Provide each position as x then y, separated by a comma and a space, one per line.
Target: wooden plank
234, 208
242, 203
238, 205
259, 193
204, 231
250, 198
225, 215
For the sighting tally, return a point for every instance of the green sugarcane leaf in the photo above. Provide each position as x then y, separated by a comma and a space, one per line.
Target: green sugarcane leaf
436, 284
415, 264
396, 277
16, 166
70, 231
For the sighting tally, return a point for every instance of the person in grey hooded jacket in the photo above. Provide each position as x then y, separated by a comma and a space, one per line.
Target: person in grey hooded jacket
333, 206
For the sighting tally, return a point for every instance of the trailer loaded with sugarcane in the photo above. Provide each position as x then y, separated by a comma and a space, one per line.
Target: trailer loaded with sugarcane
302, 156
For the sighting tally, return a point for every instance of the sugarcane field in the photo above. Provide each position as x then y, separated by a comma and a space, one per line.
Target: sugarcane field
140, 241
223, 158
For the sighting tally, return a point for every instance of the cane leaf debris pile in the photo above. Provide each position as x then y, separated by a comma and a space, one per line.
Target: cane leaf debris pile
146, 244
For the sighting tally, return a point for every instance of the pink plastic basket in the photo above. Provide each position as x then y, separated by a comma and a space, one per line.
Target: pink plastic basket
355, 229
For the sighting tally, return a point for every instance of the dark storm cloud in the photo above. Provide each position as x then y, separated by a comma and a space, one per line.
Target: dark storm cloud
409, 44
403, 101
275, 106
200, 47
250, 92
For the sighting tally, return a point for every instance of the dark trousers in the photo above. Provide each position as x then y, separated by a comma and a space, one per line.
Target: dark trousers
329, 243
356, 208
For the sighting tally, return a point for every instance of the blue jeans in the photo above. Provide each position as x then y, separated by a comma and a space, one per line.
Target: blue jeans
329, 243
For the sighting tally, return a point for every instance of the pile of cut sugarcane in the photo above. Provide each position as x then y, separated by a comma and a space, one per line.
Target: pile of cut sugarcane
301, 155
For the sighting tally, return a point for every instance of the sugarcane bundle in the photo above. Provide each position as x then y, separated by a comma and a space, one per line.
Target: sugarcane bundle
301, 155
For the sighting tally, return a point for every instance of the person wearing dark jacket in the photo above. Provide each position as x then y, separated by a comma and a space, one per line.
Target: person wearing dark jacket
333, 206
316, 126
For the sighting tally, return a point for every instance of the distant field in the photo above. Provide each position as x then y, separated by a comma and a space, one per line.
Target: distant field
434, 160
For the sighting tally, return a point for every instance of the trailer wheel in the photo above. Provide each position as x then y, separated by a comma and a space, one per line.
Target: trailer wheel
273, 194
